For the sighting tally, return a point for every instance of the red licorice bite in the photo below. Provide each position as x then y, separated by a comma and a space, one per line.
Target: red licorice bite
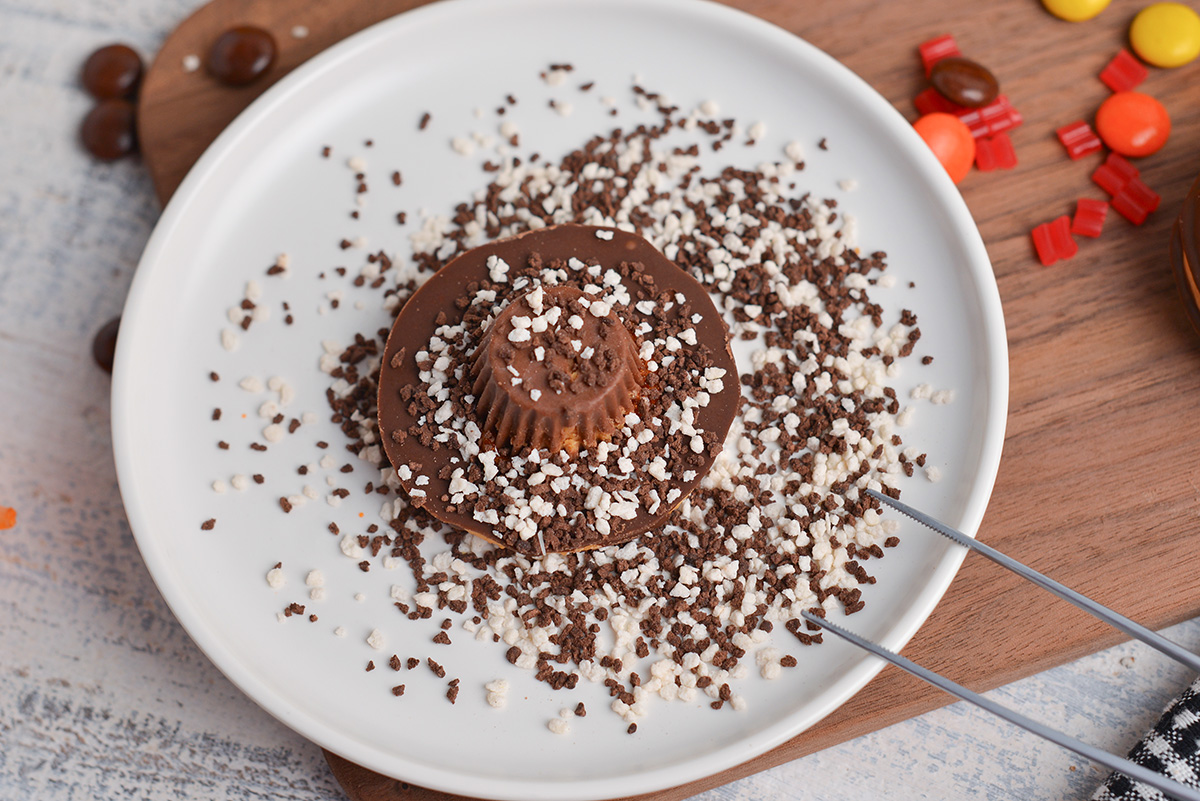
1124, 72
1053, 241
1114, 173
1136, 201
995, 153
935, 50
1079, 139
1089, 217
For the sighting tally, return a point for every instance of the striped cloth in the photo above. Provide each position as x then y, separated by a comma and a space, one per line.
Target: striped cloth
1172, 748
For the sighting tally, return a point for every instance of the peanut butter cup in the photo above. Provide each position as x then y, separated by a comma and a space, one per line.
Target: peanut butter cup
556, 370
556, 391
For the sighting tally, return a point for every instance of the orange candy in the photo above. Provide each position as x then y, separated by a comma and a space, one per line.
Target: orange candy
950, 140
8, 517
1133, 124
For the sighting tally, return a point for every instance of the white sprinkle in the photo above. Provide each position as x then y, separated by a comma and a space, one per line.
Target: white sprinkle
534, 394
757, 131
340, 631
794, 151
191, 62
558, 726
275, 578
357, 163
564, 108
462, 145
375, 639
239, 482
497, 693
229, 339
497, 269
848, 185
273, 433
933, 474
219, 487
709, 108
299, 32
605, 235
315, 578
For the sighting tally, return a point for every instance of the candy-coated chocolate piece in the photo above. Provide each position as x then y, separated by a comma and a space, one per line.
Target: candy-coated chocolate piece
1079, 139
1075, 10
1133, 124
1089, 217
1166, 34
108, 131
950, 140
240, 55
1124, 72
935, 50
112, 71
964, 82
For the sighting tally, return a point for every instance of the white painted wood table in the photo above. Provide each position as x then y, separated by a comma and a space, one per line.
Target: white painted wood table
102, 694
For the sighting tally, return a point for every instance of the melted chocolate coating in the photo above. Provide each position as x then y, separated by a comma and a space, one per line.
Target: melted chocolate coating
416, 323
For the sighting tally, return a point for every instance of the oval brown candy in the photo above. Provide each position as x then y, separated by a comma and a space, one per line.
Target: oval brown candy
104, 346
112, 71
109, 131
964, 82
241, 55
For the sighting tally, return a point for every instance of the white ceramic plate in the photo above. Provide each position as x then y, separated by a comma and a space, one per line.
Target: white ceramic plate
262, 189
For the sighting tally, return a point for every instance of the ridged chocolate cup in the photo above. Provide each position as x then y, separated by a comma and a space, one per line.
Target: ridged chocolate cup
567, 399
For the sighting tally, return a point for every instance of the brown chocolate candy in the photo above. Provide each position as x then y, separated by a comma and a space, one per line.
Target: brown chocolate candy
241, 55
436, 304
112, 71
104, 345
535, 390
109, 131
964, 82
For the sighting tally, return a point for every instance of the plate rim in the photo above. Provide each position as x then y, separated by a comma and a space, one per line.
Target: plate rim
734, 753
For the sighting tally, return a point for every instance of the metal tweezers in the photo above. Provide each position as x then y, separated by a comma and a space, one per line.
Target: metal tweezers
1140, 773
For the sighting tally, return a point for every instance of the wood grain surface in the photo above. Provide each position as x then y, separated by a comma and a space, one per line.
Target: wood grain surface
1097, 486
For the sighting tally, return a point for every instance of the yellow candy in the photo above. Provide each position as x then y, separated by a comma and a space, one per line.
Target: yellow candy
1166, 34
1075, 10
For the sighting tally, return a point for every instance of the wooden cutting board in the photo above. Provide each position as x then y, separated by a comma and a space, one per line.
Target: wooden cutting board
1097, 486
